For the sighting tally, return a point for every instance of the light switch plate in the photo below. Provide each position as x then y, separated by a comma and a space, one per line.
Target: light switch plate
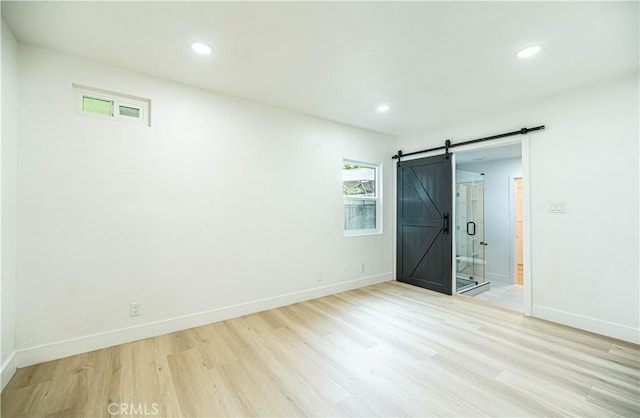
556, 207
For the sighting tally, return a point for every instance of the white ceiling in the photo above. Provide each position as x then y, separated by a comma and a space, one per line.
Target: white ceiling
433, 62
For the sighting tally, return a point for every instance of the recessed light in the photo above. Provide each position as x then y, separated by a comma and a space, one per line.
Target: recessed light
529, 51
383, 108
201, 48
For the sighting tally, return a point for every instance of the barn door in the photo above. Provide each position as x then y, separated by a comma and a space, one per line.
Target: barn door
424, 223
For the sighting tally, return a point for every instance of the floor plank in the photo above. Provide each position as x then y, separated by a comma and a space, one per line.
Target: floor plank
384, 350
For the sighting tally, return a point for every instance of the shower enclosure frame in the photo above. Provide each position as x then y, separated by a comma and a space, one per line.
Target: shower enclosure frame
470, 266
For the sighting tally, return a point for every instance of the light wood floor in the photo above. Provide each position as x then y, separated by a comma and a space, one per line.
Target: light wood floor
384, 350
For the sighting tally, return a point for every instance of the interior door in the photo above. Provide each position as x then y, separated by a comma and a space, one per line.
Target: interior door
424, 223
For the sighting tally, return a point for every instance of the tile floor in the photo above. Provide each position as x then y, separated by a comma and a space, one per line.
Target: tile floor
505, 294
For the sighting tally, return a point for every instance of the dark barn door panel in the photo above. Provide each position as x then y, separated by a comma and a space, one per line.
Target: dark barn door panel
424, 223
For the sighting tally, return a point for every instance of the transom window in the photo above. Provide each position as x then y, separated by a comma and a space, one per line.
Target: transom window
108, 104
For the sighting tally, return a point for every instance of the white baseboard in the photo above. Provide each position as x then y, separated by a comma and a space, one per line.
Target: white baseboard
70, 347
497, 277
586, 323
7, 371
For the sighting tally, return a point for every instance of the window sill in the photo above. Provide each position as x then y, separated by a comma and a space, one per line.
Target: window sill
361, 233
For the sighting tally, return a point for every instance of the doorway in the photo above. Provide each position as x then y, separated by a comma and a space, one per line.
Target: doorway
486, 225
424, 228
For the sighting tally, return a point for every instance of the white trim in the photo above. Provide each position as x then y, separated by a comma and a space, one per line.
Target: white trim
586, 323
73, 346
361, 232
496, 143
394, 219
8, 370
454, 226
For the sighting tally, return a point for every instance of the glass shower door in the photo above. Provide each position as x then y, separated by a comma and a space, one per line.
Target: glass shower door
470, 260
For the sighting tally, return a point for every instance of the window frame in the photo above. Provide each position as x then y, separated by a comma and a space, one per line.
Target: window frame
117, 100
377, 198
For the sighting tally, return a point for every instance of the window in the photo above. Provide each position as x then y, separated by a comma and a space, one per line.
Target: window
97, 106
361, 196
111, 105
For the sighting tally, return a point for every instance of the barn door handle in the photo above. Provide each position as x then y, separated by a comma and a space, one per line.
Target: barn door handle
445, 223
472, 232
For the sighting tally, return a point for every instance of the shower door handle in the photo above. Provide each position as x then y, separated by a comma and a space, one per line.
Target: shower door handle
473, 232
445, 223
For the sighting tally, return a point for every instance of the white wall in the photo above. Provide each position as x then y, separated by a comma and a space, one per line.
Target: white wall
498, 214
584, 266
8, 207
221, 207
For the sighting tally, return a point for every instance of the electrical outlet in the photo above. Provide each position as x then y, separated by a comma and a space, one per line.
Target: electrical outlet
134, 309
318, 277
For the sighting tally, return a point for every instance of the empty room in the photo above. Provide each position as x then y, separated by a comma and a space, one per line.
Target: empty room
320, 209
